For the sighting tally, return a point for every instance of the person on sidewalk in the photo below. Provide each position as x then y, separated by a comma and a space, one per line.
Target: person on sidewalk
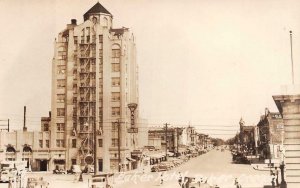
162, 179
179, 179
276, 174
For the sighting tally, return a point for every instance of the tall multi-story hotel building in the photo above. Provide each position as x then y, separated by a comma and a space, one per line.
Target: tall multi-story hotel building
94, 78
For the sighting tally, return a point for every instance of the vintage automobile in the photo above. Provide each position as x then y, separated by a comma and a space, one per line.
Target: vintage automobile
4, 176
59, 169
104, 180
169, 163
37, 182
160, 167
74, 169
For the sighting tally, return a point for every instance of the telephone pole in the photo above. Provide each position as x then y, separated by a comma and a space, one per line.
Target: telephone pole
119, 144
166, 135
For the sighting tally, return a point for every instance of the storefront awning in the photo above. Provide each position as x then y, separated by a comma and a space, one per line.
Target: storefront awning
130, 159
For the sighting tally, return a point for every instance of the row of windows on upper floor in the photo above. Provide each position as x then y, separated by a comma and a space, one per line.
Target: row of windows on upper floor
115, 111
115, 96
61, 70
115, 82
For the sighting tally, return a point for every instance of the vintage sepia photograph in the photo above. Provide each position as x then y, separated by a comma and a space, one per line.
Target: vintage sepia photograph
150, 93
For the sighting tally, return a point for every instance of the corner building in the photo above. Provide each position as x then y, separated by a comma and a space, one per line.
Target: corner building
94, 78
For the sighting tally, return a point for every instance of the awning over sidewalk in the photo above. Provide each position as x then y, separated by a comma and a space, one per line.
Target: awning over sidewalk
130, 159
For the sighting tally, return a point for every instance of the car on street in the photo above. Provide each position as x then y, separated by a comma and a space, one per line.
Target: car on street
74, 169
4, 176
160, 167
177, 162
169, 164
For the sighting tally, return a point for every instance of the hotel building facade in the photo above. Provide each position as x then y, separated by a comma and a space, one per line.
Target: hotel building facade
94, 78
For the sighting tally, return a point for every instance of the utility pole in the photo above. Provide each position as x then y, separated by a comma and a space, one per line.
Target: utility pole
95, 150
177, 149
8, 125
166, 135
119, 144
24, 126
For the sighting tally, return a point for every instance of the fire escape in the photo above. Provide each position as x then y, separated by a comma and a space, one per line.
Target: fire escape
86, 111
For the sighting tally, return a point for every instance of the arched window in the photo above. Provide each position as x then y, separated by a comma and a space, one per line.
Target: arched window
27, 148
10, 149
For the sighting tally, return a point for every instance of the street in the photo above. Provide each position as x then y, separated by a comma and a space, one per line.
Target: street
214, 166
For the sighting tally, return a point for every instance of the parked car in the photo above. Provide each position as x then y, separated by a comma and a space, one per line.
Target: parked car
4, 176
177, 162
37, 182
59, 169
74, 169
160, 167
169, 163
88, 169
184, 158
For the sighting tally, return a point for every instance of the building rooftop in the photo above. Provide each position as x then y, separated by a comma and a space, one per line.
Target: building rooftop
97, 8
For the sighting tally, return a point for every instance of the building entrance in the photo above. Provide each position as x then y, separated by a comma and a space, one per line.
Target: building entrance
43, 165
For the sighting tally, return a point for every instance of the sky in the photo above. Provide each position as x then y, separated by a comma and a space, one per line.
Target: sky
201, 63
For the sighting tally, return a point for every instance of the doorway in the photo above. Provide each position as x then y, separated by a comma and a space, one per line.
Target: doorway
43, 165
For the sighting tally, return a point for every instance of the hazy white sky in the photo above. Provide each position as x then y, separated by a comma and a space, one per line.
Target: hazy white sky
201, 61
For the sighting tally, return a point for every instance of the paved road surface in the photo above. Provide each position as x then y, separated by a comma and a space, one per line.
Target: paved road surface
214, 166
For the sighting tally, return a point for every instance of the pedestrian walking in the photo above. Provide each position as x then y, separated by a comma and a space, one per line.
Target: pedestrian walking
162, 179
179, 179
273, 179
276, 174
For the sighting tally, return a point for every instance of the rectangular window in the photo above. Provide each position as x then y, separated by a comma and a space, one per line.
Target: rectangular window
100, 143
114, 142
75, 39
46, 127
116, 53
60, 112
73, 161
73, 143
60, 126
116, 111
60, 143
100, 38
93, 38
61, 83
115, 81
47, 144
60, 98
100, 53
115, 96
115, 67
114, 126
61, 69
41, 143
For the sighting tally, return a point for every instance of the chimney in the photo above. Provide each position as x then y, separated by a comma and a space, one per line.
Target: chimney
73, 21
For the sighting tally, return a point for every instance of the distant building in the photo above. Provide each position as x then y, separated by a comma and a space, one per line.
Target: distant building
270, 129
157, 138
247, 138
189, 136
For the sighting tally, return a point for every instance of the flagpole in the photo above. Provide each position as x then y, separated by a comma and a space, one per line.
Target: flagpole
291, 41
